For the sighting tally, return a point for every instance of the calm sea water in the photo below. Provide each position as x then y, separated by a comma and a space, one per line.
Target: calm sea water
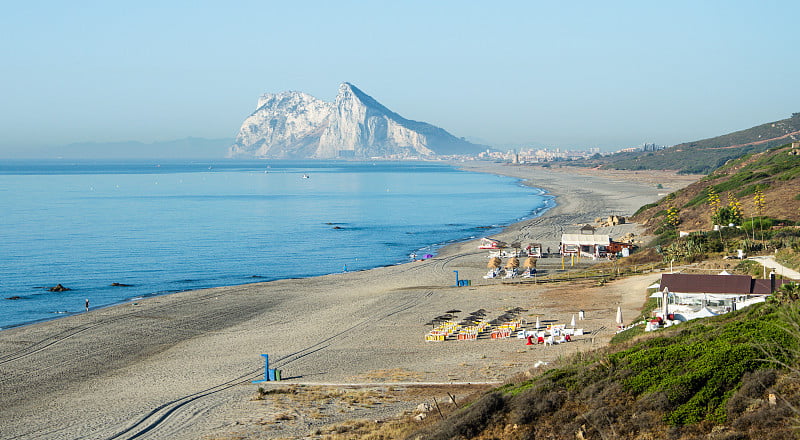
167, 227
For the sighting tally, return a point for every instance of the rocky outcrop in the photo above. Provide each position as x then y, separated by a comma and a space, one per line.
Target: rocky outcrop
285, 125
297, 125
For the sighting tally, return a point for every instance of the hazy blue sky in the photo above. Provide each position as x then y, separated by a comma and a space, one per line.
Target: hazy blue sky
567, 74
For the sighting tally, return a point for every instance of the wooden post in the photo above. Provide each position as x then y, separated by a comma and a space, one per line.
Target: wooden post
438, 409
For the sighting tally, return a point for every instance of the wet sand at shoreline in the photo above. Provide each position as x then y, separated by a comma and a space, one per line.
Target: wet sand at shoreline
180, 366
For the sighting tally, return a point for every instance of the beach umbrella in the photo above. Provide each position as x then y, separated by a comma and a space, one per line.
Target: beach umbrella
619, 315
665, 303
494, 263
530, 262
572, 323
512, 263
537, 323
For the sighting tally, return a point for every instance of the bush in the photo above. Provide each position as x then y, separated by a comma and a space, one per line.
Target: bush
750, 267
471, 420
699, 368
754, 385
535, 403
645, 208
789, 257
757, 224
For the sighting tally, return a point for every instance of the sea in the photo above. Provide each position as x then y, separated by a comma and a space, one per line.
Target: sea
118, 231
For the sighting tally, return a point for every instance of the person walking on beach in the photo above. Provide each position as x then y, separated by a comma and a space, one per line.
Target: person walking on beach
87, 304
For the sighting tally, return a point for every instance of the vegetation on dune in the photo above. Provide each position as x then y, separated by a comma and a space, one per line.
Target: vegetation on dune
734, 375
755, 194
790, 256
728, 377
707, 155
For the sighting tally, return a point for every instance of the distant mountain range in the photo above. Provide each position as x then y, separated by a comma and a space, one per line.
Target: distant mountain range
187, 148
296, 125
707, 155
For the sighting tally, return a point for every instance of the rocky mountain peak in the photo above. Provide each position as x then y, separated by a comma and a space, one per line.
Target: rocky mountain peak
298, 125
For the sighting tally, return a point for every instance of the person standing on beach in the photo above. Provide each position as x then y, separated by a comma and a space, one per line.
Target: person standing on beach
87, 304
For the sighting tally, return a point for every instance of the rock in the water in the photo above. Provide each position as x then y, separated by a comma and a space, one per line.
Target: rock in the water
14, 297
59, 288
120, 285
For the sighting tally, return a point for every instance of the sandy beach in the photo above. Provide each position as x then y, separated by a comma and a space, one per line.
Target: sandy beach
180, 366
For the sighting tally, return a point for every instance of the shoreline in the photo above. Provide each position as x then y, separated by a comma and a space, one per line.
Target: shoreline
200, 349
236, 279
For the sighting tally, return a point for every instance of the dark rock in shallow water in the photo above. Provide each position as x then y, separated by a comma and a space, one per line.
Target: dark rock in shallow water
14, 297
59, 288
121, 285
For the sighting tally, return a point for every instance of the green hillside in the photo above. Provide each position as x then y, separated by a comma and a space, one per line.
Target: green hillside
704, 156
774, 175
729, 377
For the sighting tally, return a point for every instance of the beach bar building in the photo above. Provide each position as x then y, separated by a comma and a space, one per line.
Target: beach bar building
585, 245
488, 243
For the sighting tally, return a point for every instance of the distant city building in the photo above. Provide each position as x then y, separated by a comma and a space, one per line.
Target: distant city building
652, 147
538, 155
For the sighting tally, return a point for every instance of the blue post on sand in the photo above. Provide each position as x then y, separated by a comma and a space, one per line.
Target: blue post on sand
270, 374
461, 283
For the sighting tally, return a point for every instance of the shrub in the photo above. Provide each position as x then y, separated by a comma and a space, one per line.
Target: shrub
750, 267
534, 403
757, 223
699, 368
753, 386
471, 420
646, 207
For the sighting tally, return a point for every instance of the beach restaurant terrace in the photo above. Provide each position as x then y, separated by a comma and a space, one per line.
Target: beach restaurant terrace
691, 293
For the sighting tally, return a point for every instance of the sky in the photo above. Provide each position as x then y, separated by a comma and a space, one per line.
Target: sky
575, 74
